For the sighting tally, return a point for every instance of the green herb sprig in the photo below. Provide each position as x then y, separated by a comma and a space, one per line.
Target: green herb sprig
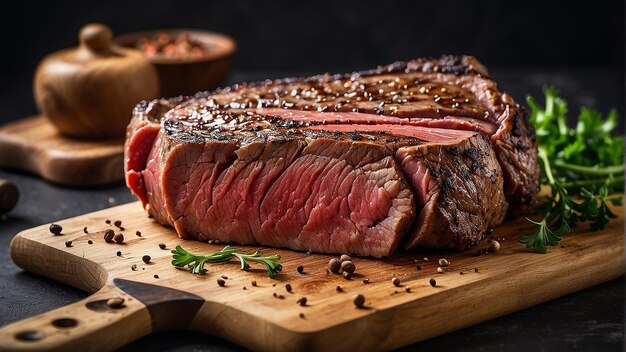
587, 161
196, 262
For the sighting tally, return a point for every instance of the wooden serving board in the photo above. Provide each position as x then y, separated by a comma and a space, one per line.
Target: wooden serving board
490, 285
33, 144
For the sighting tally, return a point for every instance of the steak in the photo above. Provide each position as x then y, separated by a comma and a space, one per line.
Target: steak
423, 153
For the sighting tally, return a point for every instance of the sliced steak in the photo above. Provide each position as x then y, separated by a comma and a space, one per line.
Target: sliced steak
256, 179
424, 153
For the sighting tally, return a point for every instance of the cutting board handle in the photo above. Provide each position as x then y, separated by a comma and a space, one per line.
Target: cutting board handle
89, 324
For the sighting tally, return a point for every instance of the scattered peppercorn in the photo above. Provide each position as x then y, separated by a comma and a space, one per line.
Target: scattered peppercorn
108, 221
245, 288
221, 282
122, 228
68, 243
301, 315
146, 259
138, 233
443, 262
133, 267
288, 288
278, 296
419, 267
475, 270
116, 302
108, 236
302, 301
348, 266
119, 253
347, 275
395, 281
162, 245
345, 257
408, 290
117, 223
334, 265
253, 283
366, 281
339, 289
56, 229
118, 238
494, 246
85, 229
90, 242
461, 273
224, 277
433, 282
359, 300
300, 269
156, 276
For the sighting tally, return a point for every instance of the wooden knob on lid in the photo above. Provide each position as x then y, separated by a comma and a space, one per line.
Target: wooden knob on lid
95, 37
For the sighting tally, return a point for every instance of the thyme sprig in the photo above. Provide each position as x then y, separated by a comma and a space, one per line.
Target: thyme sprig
196, 262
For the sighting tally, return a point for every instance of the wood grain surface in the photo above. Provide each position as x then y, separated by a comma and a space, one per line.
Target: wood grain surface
33, 144
491, 285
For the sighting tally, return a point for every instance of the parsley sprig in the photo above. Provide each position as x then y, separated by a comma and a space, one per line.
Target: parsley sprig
196, 262
586, 161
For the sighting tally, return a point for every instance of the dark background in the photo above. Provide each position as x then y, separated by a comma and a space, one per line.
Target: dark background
577, 46
290, 37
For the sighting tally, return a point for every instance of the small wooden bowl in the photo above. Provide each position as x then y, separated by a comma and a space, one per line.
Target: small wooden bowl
186, 76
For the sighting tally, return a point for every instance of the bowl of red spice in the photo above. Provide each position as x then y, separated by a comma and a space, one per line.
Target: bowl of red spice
187, 60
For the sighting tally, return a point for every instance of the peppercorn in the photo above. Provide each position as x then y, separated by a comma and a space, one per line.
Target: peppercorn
443, 262
300, 269
419, 267
407, 290
494, 246
253, 282
334, 265
68, 243
90, 242
221, 282
56, 229
119, 253
108, 221
301, 315
156, 276
348, 266
366, 281
118, 238
162, 245
475, 270
339, 289
138, 233
146, 259
108, 236
345, 257
117, 223
395, 281
347, 275
85, 229
359, 300
302, 301
288, 288
116, 302
433, 282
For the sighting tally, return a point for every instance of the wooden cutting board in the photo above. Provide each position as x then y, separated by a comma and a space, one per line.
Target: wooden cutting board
158, 296
33, 144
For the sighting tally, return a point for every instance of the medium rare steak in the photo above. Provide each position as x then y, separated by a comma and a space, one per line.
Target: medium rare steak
424, 153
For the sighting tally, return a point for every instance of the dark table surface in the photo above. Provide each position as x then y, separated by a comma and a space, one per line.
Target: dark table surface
592, 319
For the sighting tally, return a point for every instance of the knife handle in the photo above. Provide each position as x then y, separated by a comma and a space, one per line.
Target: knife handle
87, 325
